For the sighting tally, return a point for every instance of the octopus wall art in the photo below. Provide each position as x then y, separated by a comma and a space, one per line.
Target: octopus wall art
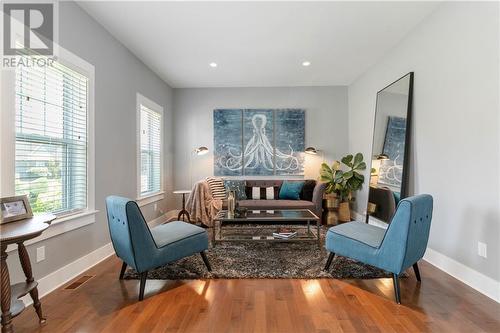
259, 142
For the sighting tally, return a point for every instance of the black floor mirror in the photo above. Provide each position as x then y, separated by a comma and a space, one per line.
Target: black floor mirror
390, 150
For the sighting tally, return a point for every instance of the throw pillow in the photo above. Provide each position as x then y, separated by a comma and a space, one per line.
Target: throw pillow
264, 193
249, 189
238, 186
308, 190
216, 186
291, 190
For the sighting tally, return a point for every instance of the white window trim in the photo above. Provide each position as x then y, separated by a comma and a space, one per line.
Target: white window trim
68, 222
149, 198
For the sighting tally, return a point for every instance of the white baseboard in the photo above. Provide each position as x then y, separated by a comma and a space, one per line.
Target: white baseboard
480, 282
63, 275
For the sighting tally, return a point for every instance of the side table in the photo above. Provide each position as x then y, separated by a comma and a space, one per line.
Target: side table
17, 233
183, 211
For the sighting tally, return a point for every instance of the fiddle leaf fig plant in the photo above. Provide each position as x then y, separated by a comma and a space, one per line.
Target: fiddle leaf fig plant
331, 175
344, 182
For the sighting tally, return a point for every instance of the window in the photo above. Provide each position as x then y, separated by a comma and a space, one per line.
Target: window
150, 147
51, 149
47, 139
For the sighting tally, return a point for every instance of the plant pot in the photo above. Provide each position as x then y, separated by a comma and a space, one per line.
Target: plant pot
344, 212
331, 201
332, 217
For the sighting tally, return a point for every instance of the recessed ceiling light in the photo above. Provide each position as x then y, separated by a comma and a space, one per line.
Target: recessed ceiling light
213, 64
306, 63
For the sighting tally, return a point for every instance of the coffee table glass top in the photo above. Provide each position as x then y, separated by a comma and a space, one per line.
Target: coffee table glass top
260, 225
270, 215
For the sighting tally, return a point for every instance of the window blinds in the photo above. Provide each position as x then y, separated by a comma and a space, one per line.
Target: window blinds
150, 146
51, 138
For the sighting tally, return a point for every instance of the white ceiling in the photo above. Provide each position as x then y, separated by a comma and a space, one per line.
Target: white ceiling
258, 44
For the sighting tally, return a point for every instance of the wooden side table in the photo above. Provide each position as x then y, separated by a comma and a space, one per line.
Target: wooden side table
17, 233
183, 211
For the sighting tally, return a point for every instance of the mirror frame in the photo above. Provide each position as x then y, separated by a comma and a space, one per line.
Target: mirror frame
406, 161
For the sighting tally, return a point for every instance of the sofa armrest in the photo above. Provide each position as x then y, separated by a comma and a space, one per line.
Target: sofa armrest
319, 191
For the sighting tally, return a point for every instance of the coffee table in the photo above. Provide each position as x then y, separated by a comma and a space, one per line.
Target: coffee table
259, 225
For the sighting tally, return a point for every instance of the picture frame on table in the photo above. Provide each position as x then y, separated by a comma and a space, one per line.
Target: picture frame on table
15, 208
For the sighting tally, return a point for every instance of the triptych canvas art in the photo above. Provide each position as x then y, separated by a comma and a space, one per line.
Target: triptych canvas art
259, 142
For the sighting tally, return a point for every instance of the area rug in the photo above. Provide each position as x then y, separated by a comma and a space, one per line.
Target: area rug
250, 260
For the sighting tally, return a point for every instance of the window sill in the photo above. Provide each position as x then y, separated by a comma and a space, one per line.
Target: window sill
150, 198
62, 225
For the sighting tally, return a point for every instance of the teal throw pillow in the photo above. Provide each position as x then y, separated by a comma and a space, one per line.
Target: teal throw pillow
291, 190
238, 186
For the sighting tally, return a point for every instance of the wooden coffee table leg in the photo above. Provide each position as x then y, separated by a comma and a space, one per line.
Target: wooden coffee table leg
5, 289
26, 265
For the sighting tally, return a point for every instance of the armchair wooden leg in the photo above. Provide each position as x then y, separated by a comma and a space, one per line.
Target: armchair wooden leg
417, 272
397, 294
144, 276
122, 272
329, 261
205, 260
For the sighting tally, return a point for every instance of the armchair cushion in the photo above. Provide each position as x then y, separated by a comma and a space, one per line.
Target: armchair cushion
175, 231
360, 232
181, 248
357, 240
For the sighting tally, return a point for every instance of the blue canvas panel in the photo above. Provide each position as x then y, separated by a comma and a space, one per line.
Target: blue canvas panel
258, 142
391, 170
289, 141
228, 136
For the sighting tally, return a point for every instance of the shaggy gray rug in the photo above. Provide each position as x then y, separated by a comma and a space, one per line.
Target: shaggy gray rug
246, 260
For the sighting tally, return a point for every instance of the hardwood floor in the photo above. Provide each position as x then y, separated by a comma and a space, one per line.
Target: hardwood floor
105, 304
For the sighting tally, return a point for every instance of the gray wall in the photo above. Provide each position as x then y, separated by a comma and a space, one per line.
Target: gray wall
455, 148
326, 122
119, 75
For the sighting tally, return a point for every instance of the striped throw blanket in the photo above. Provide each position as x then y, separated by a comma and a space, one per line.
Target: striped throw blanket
201, 205
216, 186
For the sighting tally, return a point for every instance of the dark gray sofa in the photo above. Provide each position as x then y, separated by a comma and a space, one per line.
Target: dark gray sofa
311, 201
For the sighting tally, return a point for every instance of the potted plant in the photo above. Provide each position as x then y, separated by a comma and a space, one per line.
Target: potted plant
344, 182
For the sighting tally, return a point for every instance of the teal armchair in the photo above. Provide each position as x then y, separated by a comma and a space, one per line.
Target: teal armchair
143, 248
394, 249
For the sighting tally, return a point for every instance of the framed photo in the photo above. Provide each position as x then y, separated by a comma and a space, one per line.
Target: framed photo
15, 208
